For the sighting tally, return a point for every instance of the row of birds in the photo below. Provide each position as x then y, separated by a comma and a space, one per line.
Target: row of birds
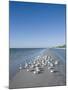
39, 63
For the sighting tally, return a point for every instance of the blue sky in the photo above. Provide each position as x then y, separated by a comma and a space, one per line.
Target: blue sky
35, 25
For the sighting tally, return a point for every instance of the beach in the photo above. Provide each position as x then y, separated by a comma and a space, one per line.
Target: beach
25, 79
37, 50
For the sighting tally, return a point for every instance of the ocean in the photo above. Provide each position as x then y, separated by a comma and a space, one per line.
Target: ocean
19, 56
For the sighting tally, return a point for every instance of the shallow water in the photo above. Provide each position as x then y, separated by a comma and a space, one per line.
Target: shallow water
21, 55
61, 53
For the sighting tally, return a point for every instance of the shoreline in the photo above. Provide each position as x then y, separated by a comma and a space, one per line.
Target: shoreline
60, 48
24, 79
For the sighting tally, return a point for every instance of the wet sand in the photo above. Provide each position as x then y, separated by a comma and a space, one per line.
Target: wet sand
24, 79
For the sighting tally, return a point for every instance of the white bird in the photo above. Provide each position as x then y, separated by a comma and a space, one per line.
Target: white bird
20, 67
37, 70
50, 67
26, 65
51, 64
52, 70
28, 70
46, 57
34, 62
49, 57
56, 62
34, 72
